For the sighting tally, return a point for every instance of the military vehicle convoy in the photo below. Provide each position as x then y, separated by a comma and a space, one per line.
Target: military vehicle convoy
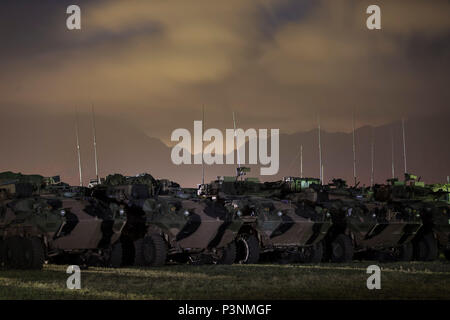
45, 227
149, 222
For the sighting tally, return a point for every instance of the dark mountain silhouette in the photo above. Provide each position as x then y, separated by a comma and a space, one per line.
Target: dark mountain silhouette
46, 145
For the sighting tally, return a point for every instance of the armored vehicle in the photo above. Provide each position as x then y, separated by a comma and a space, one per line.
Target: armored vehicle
90, 234
428, 202
365, 226
25, 224
166, 223
35, 228
285, 228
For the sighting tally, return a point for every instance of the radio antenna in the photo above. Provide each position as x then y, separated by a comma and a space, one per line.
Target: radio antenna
78, 147
354, 148
95, 145
301, 161
392, 154
235, 139
404, 143
203, 131
320, 152
372, 175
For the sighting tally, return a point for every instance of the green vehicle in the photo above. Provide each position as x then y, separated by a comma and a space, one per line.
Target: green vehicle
271, 226
365, 227
431, 203
167, 223
26, 223
35, 228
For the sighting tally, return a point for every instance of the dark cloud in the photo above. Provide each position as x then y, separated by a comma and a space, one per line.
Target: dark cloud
277, 63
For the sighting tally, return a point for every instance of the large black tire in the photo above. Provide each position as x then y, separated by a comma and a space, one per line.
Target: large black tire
312, 254
115, 259
342, 249
404, 252
33, 253
150, 251
228, 254
427, 248
14, 253
248, 250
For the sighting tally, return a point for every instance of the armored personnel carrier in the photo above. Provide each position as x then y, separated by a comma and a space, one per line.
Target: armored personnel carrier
25, 224
363, 225
431, 204
90, 234
287, 229
36, 228
166, 223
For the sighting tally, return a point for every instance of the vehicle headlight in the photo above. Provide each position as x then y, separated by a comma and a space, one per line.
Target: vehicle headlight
239, 213
279, 213
62, 212
186, 213
418, 215
121, 212
374, 215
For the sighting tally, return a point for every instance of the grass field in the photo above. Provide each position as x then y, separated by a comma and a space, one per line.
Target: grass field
411, 280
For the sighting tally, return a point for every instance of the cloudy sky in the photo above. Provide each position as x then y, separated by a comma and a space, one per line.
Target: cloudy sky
277, 63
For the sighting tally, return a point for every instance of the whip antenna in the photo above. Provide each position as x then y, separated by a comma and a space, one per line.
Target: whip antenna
235, 139
320, 152
404, 142
354, 148
301, 161
78, 148
95, 145
392, 155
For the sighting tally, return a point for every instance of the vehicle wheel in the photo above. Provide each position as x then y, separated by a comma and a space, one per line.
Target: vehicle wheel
14, 253
247, 249
426, 248
33, 253
139, 253
342, 249
312, 254
404, 252
115, 259
151, 251
228, 254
